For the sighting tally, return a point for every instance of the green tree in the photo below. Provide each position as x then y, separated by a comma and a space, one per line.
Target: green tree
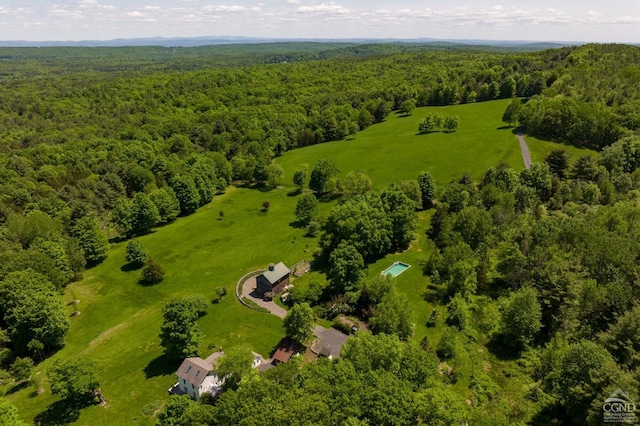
234, 365
9, 414
427, 125
362, 222
411, 189
144, 214
21, 369
260, 174
356, 183
167, 204
407, 107
580, 375
451, 123
557, 159
274, 173
74, 380
346, 267
508, 88
32, 310
121, 216
521, 318
622, 339
427, 189
299, 322
512, 112
449, 345
180, 333
186, 193
458, 313
306, 208
92, 240
135, 253
152, 272
321, 175
176, 411
393, 316
440, 406
400, 211
299, 178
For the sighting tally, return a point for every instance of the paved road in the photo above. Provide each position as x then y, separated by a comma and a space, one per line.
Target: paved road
526, 155
329, 337
248, 291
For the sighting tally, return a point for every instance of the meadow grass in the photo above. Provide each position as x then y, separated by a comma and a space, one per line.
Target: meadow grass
120, 319
392, 151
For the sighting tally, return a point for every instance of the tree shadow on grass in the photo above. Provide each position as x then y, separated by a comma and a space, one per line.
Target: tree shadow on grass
59, 413
160, 366
18, 387
130, 267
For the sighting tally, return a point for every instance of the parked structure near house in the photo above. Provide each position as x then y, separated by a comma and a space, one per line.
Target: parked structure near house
273, 279
286, 349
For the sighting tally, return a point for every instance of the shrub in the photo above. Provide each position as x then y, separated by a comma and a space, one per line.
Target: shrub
135, 253
152, 272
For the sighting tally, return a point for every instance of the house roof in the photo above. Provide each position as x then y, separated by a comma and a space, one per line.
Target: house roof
279, 271
211, 359
194, 370
285, 350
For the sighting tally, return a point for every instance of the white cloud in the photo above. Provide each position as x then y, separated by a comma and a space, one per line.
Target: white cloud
328, 8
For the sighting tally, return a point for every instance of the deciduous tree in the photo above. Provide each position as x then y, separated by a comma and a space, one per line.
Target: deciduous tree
299, 323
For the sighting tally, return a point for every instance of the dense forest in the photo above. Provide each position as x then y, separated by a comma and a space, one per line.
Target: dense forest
539, 266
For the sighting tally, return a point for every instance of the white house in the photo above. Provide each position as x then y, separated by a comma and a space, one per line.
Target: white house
196, 376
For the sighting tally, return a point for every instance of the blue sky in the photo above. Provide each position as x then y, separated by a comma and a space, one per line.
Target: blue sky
567, 20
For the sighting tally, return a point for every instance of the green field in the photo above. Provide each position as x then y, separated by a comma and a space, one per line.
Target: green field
392, 151
120, 319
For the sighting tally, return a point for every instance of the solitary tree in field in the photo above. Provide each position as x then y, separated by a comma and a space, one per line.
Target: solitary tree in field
74, 380
135, 253
299, 176
221, 214
266, 205
152, 272
180, 334
306, 208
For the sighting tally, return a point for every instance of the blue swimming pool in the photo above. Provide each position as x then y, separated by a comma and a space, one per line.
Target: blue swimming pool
396, 269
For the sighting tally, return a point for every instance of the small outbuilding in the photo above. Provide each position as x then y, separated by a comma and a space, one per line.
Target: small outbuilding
285, 350
274, 279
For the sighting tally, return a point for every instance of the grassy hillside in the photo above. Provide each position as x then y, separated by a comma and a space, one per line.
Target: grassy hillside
120, 319
392, 151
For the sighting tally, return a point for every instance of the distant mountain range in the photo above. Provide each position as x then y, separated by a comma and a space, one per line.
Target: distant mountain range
206, 41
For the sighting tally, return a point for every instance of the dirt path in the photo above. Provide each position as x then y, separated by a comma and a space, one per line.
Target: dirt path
526, 155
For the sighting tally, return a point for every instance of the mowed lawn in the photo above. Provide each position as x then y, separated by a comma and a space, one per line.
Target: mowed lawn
120, 319
392, 151
539, 149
